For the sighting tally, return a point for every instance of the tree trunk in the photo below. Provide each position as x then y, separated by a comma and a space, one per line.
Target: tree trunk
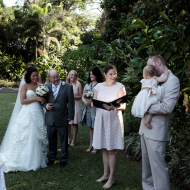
44, 38
35, 1
36, 49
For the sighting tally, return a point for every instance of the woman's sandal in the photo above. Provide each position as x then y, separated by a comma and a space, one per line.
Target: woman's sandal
108, 185
72, 144
102, 179
94, 151
89, 149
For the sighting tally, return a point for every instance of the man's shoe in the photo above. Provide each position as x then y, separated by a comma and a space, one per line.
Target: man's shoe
62, 164
51, 162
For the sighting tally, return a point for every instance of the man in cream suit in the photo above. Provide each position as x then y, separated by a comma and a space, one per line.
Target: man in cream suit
153, 141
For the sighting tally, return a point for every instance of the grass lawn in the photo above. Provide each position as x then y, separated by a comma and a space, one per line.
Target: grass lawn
128, 174
6, 88
81, 171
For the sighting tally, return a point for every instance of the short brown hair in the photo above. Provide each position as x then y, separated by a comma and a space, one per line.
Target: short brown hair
158, 57
150, 70
109, 67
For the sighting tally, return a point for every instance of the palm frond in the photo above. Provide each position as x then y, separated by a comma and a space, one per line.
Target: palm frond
37, 8
63, 31
46, 8
54, 40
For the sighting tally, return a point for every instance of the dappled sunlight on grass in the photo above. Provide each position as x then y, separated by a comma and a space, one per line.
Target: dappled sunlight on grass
49, 183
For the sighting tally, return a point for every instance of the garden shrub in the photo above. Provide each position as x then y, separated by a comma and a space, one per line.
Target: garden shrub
131, 128
178, 147
131, 123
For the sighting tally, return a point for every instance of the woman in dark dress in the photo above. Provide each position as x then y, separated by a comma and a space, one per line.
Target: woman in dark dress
88, 114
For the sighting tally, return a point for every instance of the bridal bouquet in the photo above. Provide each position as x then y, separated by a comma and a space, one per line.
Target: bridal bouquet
42, 90
88, 94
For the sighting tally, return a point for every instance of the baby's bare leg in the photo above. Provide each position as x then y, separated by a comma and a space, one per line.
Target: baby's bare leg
147, 122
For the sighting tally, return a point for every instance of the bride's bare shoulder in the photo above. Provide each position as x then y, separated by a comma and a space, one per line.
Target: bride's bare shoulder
24, 87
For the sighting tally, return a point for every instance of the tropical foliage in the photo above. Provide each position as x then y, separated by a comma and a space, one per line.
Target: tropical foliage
44, 29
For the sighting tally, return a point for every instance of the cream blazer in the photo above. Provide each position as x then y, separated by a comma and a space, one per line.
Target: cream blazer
161, 112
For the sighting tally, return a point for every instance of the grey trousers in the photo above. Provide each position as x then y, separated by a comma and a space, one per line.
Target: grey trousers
52, 138
154, 169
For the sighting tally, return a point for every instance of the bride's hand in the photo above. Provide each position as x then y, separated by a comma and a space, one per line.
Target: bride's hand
38, 98
43, 100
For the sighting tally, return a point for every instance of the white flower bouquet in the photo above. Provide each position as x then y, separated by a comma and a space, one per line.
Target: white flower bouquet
42, 90
88, 94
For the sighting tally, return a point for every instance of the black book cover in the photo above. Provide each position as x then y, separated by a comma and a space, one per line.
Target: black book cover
116, 102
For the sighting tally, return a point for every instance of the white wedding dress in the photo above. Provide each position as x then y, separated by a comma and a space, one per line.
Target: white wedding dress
2, 178
25, 145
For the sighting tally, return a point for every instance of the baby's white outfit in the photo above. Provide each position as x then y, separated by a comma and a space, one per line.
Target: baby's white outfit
2, 179
150, 94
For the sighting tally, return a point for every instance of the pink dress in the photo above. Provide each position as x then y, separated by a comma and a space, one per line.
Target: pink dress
78, 105
108, 125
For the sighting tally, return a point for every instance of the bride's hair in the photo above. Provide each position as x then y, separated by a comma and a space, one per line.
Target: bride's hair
29, 71
30, 65
150, 70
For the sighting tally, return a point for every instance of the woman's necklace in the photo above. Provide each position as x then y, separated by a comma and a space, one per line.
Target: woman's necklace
33, 85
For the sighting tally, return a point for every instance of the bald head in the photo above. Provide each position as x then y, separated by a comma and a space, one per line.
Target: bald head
54, 77
52, 71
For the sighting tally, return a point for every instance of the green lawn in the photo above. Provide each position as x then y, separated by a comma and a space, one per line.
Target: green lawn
6, 88
128, 174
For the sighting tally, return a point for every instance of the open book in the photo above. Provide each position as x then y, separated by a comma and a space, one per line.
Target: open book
116, 102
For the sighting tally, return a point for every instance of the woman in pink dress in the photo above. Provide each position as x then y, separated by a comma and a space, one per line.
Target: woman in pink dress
108, 125
78, 91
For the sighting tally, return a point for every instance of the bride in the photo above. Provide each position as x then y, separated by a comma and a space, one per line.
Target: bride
24, 146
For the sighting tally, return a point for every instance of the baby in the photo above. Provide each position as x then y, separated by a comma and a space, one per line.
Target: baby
149, 94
